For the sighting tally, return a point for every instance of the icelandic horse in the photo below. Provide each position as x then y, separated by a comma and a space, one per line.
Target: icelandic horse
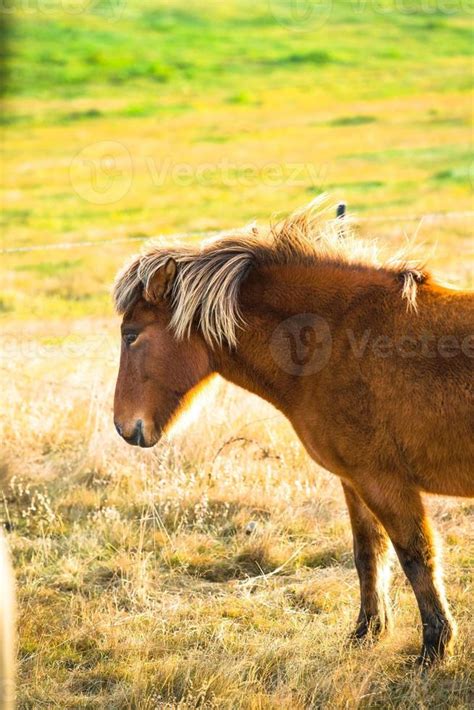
371, 362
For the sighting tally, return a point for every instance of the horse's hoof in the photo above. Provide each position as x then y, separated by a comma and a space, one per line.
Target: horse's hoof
433, 654
427, 658
438, 644
366, 632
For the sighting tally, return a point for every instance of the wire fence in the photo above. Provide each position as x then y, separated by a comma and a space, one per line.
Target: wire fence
24, 379
341, 214
349, 219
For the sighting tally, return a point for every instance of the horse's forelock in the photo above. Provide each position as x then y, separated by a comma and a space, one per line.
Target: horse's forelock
127, 286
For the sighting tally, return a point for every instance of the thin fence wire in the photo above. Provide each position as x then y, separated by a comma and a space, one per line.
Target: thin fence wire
68, 245
429, 217
106, 242
33, 379
349, 219
345, 219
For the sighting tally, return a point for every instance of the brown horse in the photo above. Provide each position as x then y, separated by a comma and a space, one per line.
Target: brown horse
372, 364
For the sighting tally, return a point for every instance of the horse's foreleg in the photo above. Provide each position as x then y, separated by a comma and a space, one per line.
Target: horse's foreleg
371, 554
401, 511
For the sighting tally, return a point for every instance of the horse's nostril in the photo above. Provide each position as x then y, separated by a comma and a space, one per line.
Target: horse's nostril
118, 429
138, 434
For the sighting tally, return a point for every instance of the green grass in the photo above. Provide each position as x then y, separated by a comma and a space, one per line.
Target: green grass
47, 268
353, 120
214, 46
366, 101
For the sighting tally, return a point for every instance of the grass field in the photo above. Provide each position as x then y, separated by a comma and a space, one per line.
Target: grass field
215, 571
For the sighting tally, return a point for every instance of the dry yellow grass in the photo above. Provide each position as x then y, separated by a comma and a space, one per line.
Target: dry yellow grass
141, 582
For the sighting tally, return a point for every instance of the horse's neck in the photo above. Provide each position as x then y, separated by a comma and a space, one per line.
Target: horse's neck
299, 299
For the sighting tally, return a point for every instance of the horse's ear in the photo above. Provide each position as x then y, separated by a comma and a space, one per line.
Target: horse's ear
160, 284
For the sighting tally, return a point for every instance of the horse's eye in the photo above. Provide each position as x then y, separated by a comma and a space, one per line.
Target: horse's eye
130, 338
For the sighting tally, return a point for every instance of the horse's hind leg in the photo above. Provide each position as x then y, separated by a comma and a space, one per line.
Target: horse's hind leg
400, 509
371, 554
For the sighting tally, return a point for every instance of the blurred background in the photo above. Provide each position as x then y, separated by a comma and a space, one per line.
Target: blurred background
127, 119
130, 118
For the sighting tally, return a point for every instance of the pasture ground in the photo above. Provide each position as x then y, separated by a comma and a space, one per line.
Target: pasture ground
138, 584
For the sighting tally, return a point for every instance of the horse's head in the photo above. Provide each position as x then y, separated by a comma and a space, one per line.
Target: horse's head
157, 370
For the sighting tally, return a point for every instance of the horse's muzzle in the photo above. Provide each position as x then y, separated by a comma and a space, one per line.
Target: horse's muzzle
137, 438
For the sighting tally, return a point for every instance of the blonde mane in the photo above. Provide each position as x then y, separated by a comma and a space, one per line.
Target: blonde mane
207, 285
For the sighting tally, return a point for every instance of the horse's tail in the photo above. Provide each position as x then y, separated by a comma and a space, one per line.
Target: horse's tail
7, 629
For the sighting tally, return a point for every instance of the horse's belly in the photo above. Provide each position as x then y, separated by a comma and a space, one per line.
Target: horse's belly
451, 482
451, 473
